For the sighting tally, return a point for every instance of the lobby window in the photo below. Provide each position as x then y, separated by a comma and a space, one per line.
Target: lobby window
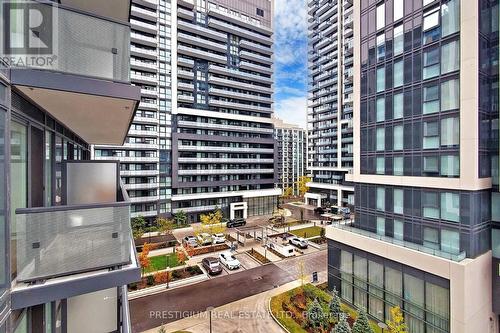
380, 47
361, 274
437, 303
450, 95
398, 9
398, 137
430, 205
431, 238
431, 63
450, 165
398, 73
380, 167
380, 139
398, 165
450, 207
450, 57
431, 135
346, 269
381, 226
380, 16
398, 40
381, 198
398, 195
450, 131
398, 230
431, 99
394, 289
414, 303
398, 106
380, 79
380, 109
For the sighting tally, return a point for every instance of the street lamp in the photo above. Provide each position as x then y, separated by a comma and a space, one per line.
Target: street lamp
383, 326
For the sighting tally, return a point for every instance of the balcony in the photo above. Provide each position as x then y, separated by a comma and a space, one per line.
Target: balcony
185, 98
138, 38
144, 27
194, 124
212, 79
256, 57
257, 68
197, 53
185, 14
143, 52
249, 45
237, 19
225, 149
202, 31
142, 78
143, 13
201, 42
223, 26
238, 106
233, 94
223, 171
239, 74
185, 86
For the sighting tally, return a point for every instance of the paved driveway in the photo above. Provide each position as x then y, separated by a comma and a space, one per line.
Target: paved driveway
152, 311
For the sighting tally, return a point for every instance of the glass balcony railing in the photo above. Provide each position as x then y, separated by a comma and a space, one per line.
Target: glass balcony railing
87, 45
64, 240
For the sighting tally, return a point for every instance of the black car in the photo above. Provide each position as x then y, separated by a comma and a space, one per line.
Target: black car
212, 265
236, 223
319, 210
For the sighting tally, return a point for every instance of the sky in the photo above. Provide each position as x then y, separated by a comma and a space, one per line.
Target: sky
290, 29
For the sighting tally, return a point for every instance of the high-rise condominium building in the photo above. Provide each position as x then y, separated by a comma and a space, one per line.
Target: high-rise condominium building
217, 149
330, 109
66, 248
291, 155
146, 156
425, 166
222, 141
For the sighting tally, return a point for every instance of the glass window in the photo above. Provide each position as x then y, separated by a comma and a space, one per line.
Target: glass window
430, 205
398, 137
496, 241
450, 165
431, 135
346, 270
398, 40
450, 131
450, 17
48, 168
380, 47
380, 139
376, 289
398, 201
450, 57
431, 63
398, 73
431, 99
450, 95
380, 79
398, 166
414, 303
437, 303
398, 9
381, 226
450, 207
381, 198
380, 16
398, 105
361, 274
398, 230
432, 30
431, 164
394, 288
450, 241
431, 238
381, 109
380, 166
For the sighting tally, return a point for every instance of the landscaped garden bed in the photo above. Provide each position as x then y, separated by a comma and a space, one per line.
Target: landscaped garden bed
318, 240
257, 256
161, 262
207, 249
164, 277
293, 310
307, 232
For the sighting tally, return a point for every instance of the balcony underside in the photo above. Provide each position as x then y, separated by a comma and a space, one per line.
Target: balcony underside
99, 111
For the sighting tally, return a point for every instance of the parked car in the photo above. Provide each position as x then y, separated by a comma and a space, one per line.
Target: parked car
211, 265
190, 241
276, 219
204, 239
228, 260
319, 210
218, 238
299, 242
236, 223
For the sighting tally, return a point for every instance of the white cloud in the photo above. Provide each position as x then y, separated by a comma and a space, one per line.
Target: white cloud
290, 25
293, 110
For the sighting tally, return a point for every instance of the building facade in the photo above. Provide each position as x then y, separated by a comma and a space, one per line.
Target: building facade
66, 246
146, 156
291, 157
425, 166
330, 107
222, 142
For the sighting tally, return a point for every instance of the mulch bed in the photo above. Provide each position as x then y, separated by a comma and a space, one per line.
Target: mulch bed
207, 249
257, 256
178, 274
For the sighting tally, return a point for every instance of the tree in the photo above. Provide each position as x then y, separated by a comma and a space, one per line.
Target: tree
322, 233
165, 227
315, 315
342, 326
211, 223
334, 305
180, 217
163, 277
181, 255
138, 226
361, 325
288, 192
397, 324
144, 260
302, 185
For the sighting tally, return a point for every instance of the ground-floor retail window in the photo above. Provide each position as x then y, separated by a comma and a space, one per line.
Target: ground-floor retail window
262, 205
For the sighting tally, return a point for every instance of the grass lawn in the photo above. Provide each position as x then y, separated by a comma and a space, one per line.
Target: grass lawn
160, 262
307, 232
290, 307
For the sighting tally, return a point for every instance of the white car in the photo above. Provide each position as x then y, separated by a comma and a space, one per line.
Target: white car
204, 239
228, 260
299, 242
219, 238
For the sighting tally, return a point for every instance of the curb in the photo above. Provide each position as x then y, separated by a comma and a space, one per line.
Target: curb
162, 287
274, 318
